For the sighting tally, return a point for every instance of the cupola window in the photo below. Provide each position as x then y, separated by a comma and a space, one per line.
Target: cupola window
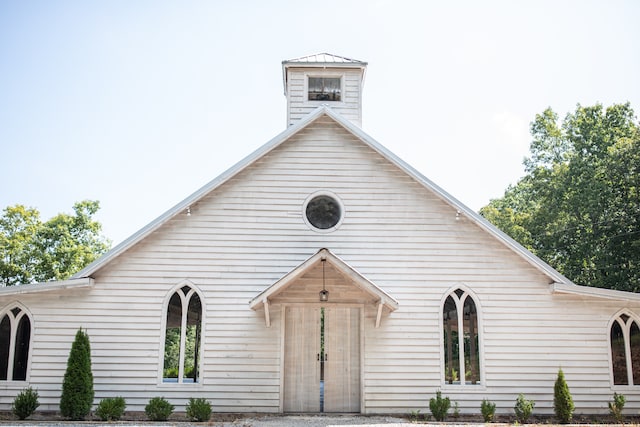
325, 89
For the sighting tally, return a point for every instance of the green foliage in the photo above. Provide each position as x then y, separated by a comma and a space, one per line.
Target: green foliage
488, 410
578, 206
523, 408
36, 251
415, 415
198, 410
158, 409
77, 385
562, 400
111, 408
616, 407
439, 406
25, 403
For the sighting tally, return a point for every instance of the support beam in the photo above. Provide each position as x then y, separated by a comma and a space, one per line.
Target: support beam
267, 318
379, 315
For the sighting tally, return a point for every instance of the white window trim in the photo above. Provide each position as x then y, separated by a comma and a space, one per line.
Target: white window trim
626, 333
330, 75
12, 344
327, 193
163, 335
467, 293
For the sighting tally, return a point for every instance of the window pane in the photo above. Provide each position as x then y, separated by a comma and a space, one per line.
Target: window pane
471, 354
172, 339
191, 355
5, 340
451, 353
634, 338
21, 355
324, 88
618, 357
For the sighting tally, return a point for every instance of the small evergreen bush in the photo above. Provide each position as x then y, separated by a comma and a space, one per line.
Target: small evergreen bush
198, 410
488, 410
158, 409
562, 400
111, 408
616, 407
523, 408
77, 385
439, 406
25, 403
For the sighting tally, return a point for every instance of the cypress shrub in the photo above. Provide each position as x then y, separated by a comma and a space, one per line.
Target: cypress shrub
111, 408
488, 410
158, 409
523, 408
77, 386
198, 410
25, 403
439, 406
562, 401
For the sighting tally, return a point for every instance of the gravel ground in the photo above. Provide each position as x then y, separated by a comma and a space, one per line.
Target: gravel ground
319, 421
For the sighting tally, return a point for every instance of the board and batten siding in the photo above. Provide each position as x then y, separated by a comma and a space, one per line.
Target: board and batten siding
249, 232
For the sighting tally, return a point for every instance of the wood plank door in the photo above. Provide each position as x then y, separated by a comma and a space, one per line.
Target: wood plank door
301, 365
342, 359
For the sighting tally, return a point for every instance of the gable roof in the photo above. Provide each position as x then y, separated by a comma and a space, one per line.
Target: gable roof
323, 58
324, 110
358, 279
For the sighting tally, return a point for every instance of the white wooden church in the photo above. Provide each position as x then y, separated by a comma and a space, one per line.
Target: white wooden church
323, 274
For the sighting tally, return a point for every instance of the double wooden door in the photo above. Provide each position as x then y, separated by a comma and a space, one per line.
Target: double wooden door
322, 359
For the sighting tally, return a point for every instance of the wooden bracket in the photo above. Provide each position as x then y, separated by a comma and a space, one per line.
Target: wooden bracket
267, 318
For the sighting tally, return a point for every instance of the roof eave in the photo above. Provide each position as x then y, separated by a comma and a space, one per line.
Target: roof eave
589, 291
47, 286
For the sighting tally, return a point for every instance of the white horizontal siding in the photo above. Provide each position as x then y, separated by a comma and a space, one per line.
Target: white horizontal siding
298, 106
249, 233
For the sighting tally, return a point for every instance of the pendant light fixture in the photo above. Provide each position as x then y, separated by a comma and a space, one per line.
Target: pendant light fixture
324, 294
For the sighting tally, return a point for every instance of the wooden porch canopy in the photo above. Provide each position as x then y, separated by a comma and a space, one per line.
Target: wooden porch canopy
382, 299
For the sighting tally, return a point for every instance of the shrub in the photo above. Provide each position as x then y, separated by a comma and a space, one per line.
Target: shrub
523, 408
615, 407
25, 403
198, 410
439, 406
562, 401
158, 409
488, 410
77, 385
111, 408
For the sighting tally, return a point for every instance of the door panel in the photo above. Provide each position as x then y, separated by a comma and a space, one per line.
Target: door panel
301, 367
342, 365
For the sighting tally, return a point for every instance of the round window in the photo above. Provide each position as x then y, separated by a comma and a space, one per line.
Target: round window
323, 212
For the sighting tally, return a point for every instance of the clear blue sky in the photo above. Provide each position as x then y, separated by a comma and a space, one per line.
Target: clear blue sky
139, 103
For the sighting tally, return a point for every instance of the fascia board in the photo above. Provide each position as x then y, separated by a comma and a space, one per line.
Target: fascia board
47, 286
590, 291
198, 194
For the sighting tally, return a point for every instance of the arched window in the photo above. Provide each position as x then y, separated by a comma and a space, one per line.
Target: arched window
182, 342
624, 338
15, 336
460, 331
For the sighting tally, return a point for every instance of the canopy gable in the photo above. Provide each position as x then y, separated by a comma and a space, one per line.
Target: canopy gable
365, 290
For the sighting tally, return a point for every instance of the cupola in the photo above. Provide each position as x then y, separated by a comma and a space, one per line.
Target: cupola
323, 79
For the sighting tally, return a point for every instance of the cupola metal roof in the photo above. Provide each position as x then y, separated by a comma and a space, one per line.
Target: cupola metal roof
324, 58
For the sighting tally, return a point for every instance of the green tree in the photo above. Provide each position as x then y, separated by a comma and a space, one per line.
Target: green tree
578, 206
77, 385
36, 251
